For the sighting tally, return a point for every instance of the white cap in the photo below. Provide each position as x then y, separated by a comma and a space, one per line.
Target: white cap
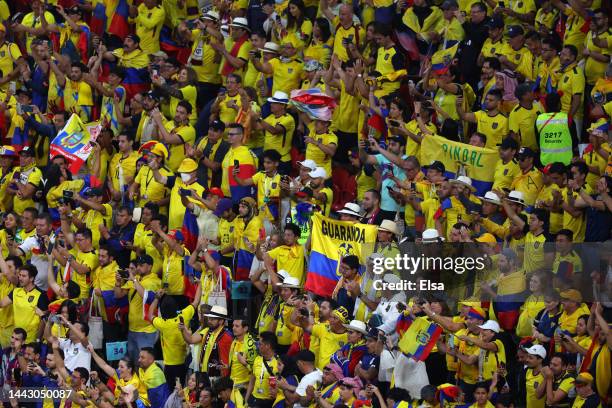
218, 312
516, 197
465, 181
490, 325
308, 163
536, 350
431, 235
319, 172
358, 326
491, 197
350, 209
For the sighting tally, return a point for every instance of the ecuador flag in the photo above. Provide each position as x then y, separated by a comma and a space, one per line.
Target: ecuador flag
419, 339
331, 241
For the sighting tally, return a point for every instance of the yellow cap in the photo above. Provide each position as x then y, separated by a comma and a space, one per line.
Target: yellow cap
188, 166
584, 378
160, 150
487, 238
2, 27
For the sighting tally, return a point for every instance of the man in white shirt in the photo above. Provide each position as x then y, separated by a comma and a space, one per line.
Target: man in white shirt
75, 346
312, 377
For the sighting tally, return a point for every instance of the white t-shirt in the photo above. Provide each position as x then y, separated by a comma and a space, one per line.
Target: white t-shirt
75, 355
385, 370
311, 378
38, 259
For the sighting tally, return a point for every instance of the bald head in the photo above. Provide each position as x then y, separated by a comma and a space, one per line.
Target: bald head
346, 15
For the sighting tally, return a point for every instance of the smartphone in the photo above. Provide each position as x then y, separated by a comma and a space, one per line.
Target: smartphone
236, 163
13, 87
394, 123
27, 108
501, 4
183, 322
413, 186
184, 192
124, 274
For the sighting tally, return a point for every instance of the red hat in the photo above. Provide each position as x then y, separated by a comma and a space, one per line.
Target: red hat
217, 191
546, 169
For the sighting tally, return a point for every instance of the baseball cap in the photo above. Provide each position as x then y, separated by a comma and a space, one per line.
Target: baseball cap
515, 31
584, 378
160, 54
217, 125
153, 95
536, 350
490, 325
216, 191
318, 172
144, 259
133, 37
28, 151
437, 165
93, 192
308, 163
495, 22
525, 152
223, 205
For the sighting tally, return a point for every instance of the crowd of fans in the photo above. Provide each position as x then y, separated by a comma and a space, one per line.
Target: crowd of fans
169, 269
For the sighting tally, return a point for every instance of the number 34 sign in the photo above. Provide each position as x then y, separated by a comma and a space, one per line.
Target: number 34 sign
116, 350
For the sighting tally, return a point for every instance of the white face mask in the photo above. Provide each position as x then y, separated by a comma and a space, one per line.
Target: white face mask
186, 177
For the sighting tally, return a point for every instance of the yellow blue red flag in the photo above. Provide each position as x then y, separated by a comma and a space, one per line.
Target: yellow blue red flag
331, 241
419, 339
478, 162
73, 142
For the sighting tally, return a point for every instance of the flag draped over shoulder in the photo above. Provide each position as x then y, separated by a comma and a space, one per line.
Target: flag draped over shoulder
420, 337
331, 241
313, 102
73, 140
477, 161
113, 310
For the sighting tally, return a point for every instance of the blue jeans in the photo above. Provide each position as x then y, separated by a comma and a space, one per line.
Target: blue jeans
137, 340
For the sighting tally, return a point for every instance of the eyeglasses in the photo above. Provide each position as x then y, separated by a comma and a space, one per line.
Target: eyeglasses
234, 134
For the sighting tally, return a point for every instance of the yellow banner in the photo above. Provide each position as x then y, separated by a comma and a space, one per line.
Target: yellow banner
479, 163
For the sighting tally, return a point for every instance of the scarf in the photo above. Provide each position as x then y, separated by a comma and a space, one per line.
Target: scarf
510, 84
227, 67
209, 344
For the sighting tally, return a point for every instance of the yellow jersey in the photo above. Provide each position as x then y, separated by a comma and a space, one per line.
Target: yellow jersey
494, 127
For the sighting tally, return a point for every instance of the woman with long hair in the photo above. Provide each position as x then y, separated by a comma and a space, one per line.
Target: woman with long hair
123, 376
533, 304
10, 226
185, 89
322, 43
298, 25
